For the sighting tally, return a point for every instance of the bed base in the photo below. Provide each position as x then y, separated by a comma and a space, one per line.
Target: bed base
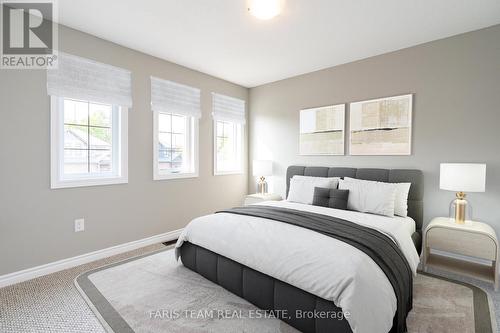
265, 292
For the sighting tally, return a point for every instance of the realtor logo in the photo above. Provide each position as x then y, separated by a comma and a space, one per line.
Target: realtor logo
29, 36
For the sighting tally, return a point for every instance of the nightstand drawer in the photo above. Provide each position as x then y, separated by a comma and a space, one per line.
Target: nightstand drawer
461, 242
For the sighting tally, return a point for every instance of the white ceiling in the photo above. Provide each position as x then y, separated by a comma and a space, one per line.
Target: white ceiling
220, 38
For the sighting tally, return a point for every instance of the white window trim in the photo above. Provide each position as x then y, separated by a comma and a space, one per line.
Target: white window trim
242, 136
194, 146
57, 145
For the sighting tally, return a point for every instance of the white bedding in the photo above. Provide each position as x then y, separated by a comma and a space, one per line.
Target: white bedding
321, 265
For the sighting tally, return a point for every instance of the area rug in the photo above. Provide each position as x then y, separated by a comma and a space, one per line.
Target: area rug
154, 293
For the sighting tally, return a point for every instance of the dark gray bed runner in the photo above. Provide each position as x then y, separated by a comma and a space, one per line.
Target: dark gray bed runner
375, 244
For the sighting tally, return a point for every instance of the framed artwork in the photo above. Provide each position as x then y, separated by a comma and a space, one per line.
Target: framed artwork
322, 130
381, 126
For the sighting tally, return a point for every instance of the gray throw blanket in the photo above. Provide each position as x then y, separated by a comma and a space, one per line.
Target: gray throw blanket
375, 244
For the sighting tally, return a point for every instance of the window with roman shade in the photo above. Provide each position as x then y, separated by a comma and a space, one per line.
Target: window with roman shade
229, 120
176, 112
89, 122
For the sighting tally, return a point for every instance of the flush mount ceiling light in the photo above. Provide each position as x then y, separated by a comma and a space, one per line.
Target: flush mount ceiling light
265, 9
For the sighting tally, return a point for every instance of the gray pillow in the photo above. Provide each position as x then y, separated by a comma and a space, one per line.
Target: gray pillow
330, 197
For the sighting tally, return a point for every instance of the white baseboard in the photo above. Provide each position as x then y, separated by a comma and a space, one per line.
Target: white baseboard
31, 273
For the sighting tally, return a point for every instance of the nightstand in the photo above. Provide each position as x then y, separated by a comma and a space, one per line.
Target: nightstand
472, 239
257, 197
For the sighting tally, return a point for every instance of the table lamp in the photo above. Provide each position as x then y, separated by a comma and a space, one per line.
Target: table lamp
261, 169
461, 178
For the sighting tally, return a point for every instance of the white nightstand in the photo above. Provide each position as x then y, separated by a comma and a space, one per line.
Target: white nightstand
257, 197
472, 239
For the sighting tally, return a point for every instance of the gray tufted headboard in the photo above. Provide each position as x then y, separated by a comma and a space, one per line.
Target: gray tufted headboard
415, 177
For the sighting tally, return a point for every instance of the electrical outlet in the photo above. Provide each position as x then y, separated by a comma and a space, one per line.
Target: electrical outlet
79, 225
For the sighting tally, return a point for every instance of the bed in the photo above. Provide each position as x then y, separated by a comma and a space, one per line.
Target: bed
313, 282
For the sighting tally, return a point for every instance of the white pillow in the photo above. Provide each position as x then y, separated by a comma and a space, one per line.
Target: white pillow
370, 197
402, 191
302, 187
313, 179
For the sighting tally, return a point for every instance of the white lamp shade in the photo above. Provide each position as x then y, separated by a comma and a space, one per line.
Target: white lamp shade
262, 168
463, 177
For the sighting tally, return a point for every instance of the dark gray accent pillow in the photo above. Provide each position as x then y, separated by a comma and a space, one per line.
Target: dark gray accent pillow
330, 197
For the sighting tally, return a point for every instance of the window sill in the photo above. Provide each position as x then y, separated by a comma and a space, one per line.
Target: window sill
175, 176
87, 182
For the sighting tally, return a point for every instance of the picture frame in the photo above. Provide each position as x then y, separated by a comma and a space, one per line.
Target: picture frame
381, 126
322, 130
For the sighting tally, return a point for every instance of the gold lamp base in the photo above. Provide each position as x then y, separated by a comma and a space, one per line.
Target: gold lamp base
460, 207
262, 186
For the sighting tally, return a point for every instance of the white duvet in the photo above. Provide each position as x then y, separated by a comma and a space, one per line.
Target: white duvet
318, 264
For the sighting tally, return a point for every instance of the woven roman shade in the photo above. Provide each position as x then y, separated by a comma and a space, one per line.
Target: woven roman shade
172, 97
89, 80
227, 108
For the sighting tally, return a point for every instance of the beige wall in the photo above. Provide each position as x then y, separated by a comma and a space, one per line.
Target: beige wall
36, 223
456, 82
456, 115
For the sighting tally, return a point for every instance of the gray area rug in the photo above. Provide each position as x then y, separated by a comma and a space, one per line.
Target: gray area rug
154, 293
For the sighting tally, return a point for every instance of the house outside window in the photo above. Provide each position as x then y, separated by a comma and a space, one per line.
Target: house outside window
89, 122
176, 110
88, 143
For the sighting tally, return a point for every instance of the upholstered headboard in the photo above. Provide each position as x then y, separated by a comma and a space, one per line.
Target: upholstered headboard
415, 177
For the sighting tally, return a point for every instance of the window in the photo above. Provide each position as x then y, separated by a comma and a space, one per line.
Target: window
175, 146
228, 147
176, 110
89, 122
88, 143
229, 120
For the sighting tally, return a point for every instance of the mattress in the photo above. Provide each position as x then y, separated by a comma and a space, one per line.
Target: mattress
318, 264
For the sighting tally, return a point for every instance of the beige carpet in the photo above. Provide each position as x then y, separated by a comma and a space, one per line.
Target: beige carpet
157, 291
51, 303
